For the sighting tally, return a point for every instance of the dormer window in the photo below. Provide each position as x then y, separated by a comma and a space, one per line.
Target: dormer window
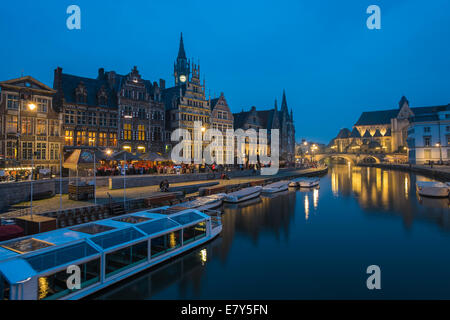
102, 98
81, 93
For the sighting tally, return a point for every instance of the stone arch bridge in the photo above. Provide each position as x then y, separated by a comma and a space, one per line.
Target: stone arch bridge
353, 158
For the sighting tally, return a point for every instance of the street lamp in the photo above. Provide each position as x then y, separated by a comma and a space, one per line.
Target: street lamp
440, 152
31, 106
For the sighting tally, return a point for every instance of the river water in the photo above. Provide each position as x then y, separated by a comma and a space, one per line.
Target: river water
316, 244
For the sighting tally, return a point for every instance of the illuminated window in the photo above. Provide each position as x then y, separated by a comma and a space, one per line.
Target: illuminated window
102, 139
81, 138
41, 127
11, 124
127, 133
113, 139
91, 139
27, 126
141, 132
68, 138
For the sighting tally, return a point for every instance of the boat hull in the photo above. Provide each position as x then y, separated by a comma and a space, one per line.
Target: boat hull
245, 198
274, 190
435, 192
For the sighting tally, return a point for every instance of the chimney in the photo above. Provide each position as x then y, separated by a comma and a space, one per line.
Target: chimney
101, 74
162, 84
57, 85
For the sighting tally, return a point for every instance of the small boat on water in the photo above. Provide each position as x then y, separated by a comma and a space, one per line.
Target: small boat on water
433, 189
276, 187
304, 182
243, 194
102, 253
203, 203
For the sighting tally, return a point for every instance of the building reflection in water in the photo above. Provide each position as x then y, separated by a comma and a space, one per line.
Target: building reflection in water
306, 207
381, 191
377, 192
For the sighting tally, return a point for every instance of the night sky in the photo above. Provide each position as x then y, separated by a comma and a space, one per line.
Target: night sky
321, 52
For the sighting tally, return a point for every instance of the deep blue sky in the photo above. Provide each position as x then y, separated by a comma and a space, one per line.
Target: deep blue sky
321, 52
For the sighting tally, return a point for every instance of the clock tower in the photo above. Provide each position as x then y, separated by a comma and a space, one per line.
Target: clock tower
181, 66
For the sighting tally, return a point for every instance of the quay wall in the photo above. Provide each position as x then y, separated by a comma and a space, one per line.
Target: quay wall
434, 173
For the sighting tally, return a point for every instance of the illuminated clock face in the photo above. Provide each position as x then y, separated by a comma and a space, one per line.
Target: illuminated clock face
183, 78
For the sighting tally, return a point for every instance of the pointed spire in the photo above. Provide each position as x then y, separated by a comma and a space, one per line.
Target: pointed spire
284, 102
181, 52
292, 115
403, 100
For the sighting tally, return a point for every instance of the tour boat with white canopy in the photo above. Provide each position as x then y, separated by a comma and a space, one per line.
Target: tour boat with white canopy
99, 254
433, 189
243, 194
276, 187
304, 182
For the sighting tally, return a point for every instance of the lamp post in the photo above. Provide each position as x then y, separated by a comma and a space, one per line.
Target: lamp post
440, 152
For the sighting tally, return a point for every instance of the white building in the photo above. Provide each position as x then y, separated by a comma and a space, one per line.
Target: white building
429, 136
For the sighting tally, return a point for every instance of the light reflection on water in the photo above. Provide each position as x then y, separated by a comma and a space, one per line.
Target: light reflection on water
316, 243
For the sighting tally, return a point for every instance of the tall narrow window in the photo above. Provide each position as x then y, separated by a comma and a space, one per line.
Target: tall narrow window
127, 133
141, 132
41, 127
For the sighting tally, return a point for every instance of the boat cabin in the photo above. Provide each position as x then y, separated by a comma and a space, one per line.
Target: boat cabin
106, 251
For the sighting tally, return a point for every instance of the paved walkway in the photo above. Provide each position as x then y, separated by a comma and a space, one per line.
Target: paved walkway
53, 204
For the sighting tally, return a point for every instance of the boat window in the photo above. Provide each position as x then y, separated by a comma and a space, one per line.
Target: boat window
133, 219
117, 237
26, 245
187, 217
92, 228
194, 232
4, 288
58, 257
157, 225
165, 243
125, 258
55, 286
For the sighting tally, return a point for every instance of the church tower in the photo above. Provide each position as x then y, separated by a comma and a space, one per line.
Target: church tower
182, 67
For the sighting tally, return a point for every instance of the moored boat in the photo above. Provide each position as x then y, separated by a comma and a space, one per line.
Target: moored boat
275, 187
203, 203
243, 194
432, 189
98, 254
304, 182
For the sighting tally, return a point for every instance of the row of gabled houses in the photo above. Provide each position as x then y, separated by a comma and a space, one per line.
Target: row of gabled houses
117, 112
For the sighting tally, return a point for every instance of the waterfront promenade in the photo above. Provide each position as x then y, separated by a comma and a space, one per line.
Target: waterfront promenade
102, 194
438, 172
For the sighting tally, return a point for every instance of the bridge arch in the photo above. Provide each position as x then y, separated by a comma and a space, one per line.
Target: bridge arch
352, 158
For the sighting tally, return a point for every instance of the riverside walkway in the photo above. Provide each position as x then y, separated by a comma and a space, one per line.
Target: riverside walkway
102, 193
438, 172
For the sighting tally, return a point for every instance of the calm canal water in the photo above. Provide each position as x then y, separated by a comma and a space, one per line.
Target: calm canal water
316, 244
